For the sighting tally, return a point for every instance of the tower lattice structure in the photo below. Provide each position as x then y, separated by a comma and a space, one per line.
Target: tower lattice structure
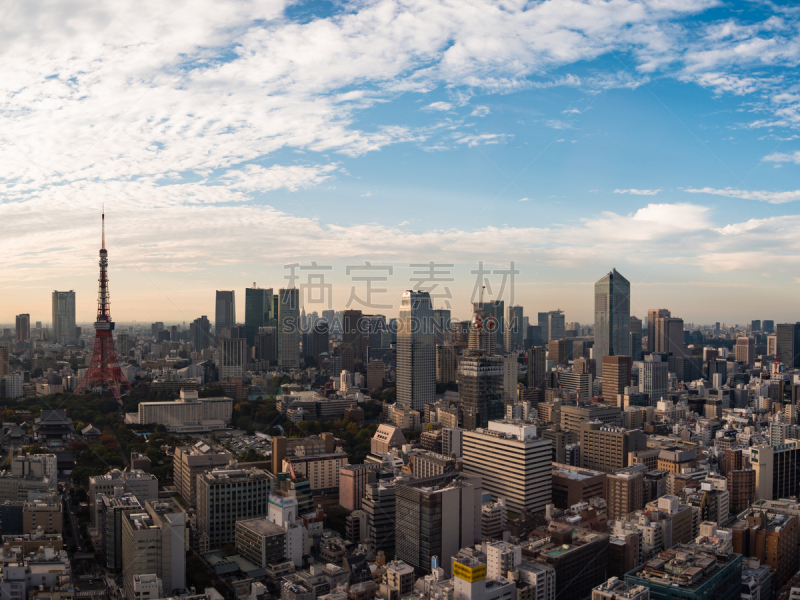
104, 368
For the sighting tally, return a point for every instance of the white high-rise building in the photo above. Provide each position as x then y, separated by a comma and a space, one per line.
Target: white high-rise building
231, 357
64, 331
512, 462
653, 377
289, 328
416, 352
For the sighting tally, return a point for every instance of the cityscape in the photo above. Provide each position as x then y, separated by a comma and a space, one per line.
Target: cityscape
398, 300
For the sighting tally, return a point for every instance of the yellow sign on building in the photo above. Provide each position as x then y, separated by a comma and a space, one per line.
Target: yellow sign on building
469, 574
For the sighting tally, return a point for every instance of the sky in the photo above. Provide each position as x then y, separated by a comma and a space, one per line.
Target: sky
227, 140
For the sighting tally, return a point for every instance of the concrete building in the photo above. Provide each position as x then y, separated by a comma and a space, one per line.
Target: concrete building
231, 357
226, 495
436, 518
113, 511
617, 589
653, 374
353, 481
537, 367
777, 475
188, 410
154, 542
142, 485
416, 352
380, 506
261, 541
387, 438
190, 461
446, 363
512, 462
289, 328
315, 445
580, 383
321, 470
225, 312
64, 329
616, 377
45, 511
745, 350
625, 491
770, 537
573, 416
572, 485
560, 439
690, 573
606, 447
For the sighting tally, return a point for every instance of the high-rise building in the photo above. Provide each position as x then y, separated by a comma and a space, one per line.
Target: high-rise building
515, 330
226, 495
190, 461
231, 357
668, 333
154, 542
777, 475
480, 385
653, 378
257, 311
482, 328
225, 316
442, 319
267, 345
289, 328
446, 363
616, 376
606, 447
612, 318
558, 351
495, 311
416, 352
541, 323
64, 331
319, 340
436, 517
652, 317
352, 348
513, 464
625, 491
769, 537
200, 333
23, 330
788, 349
755, 325
556, 329
379, 505
636, 325
537, 367
745, 350
4, 365
768, 326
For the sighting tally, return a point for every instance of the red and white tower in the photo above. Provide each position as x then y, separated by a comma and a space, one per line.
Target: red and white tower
104, 369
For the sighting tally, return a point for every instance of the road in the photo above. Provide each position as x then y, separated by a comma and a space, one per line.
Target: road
76, 533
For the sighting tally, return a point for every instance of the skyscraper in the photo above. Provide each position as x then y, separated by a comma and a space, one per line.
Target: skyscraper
225, 316
231, 357
515, 329
616, 377
200, 333
64, 331
556, 329
789, 344
416, 351
652, 317
289, 328
668, 335
352, 349
257, 307
23, 330
612, 318
480, 385
537, 367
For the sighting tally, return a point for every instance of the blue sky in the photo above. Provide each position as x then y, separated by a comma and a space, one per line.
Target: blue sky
659, 137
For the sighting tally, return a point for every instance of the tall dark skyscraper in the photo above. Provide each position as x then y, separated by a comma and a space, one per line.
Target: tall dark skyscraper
200, 333
768, 326
23, 330
352, 348
789, 344
225, 315
257, 311
612, 318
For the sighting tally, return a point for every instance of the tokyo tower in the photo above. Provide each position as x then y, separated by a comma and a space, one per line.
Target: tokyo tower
104, 369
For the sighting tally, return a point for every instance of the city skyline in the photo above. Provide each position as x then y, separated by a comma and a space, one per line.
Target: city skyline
657, 138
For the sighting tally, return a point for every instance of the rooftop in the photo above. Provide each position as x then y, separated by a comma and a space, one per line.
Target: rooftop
683, 566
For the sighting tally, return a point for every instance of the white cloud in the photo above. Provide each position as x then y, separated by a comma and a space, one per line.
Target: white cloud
442, 106
480, 111
793, 157
762, 196
524, 200
637, 192
367, 195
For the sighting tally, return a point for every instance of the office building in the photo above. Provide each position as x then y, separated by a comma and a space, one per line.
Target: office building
625, 491
188, 411
289, 328
113, 510
353, 480
771, 538
579, 558
225, 315
231, 357
512, 462
745, 350
64, 330
510, 379
321, 470
558, 351
257, 311
560, 439
690, 573
612, 316
777, 475
572, 485
606, 447
190, 461
616, 376
436, 517
617, 589
43, 511
142, 485
352, 348
573, 416
200, 333
515, 330
788, 349
261, 541
154, 543
652, 318
446, 363
228, 494
768, 326
379, 505
23, 328
556, 329
653, 378
537, 367
480, 386
668, 333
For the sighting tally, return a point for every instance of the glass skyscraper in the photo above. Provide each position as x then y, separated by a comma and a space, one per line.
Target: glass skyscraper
257, 307
612, 318
225, 316
416, 352
64, 331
